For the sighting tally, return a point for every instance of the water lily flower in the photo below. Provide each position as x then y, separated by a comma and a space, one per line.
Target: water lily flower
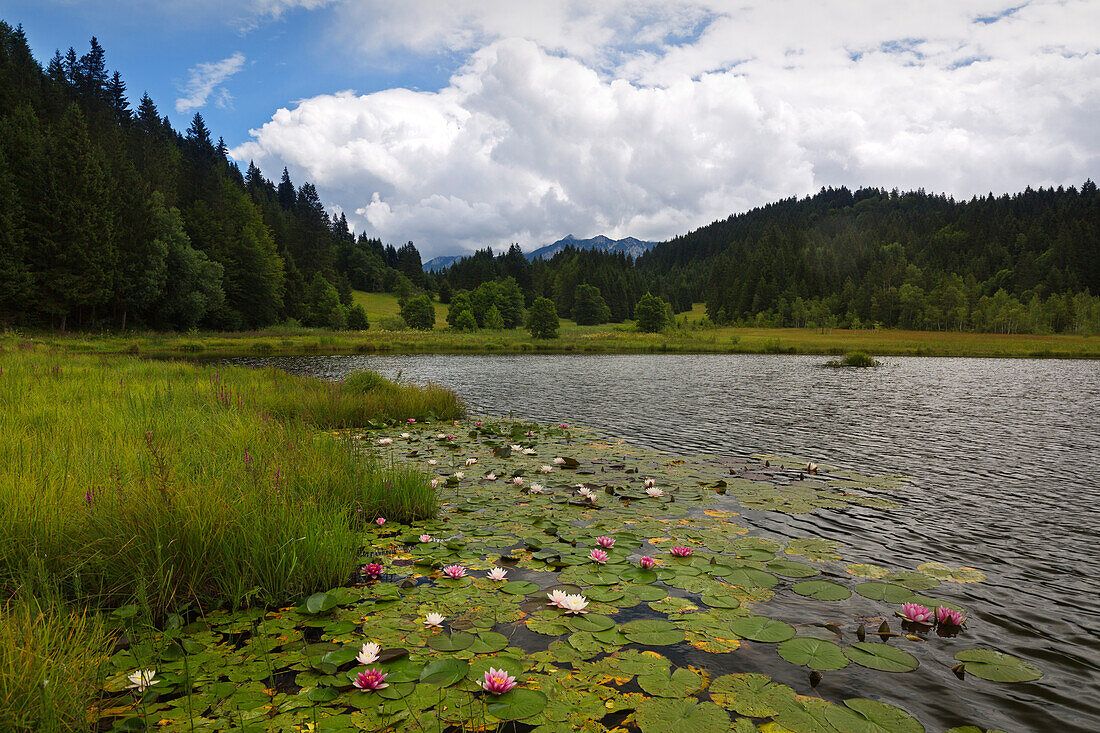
142, 679
372, 679
490, 476
557, 598
459, 474
380, 521
497, 574
654, 493
811, 467
406, 436
498, 681
434, 620
529, 433
916, 613
650, 483
598, 556
949, 617
565, 425
441, 436
478, 423
518, 481
368, 653
586, 492
680, 551
605, 542
373, 569
456, 422
529, 451
516, 448
546, 469
537, 489
559, 461
426, 538
432, 461
385, 441
454, 572
471, 461
434, 483
412, 420
574, 604
450, 437
647, 562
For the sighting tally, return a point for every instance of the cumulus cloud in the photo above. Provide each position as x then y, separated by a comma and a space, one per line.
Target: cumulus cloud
648, 120
205, 80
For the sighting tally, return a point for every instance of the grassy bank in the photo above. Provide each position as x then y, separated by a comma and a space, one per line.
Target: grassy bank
172, 488
606, 339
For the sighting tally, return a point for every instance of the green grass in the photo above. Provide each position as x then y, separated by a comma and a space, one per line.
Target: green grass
173, 485
50, 665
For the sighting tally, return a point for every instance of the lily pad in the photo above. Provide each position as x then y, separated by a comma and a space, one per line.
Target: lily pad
762, 629
871, 716
488, 642
517, 704
792, 569
652, 632
880, 656
813, 653
681, 683
996, 666
444, 672
661, 715
888, 592
751, 578
454, 642
746, 694
822, 590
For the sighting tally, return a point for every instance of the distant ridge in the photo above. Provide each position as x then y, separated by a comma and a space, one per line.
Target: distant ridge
629, 245
437, 264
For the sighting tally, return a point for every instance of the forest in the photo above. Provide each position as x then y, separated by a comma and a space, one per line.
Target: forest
110, 219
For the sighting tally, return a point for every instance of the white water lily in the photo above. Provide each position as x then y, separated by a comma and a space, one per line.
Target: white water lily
434, 483
557, 597
142, 679
517, 481
516, 448
434, 620
559, 461
459, 474
490, 476
546, 469
574, 604
368, 653
586, 493
471, 461
385, 441
537, 489
655, 493
441, 436
432, 461
650, 483
497, 574
406, 436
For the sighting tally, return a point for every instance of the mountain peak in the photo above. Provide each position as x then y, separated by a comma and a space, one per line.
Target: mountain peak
602, 243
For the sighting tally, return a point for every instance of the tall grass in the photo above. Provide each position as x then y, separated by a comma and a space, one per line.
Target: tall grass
170, 484
49, 666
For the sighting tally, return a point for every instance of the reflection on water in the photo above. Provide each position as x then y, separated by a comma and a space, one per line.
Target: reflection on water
1003, 455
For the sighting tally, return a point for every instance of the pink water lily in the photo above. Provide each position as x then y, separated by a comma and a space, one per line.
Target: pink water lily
647, 562
916, 613
598, 556
949, 617
373, 569
605, 542
426, 538
680, 551
372, 679
454, 572
380, 521
478, 423
385, 441
412, 420
498, 681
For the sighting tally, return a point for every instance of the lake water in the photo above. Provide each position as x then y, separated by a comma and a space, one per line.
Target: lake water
1003, 455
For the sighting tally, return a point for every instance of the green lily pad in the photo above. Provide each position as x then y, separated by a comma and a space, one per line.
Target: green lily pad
871, 716
822, 590
747, 694
454, 642
762, 629
714, 600
880, 656
888, 592
518, 587
320, 603
792, 569
661, 715
813, 653
652, 632
444, 672
639, 575
996, 666
681, 683
488, 642
517, 704
751, 578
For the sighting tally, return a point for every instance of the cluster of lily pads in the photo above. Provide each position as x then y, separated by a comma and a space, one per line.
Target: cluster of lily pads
569, 583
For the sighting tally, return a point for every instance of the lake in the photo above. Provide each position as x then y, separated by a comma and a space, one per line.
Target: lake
1002, 454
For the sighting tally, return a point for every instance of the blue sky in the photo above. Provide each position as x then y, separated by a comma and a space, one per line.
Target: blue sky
468, 123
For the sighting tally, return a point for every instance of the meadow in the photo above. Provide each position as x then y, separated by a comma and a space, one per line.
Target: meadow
172, 489
690, 334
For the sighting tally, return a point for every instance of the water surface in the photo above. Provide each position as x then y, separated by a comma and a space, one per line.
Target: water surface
1002, 453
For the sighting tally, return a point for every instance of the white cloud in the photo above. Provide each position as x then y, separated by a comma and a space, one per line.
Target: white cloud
648, 120
205, 79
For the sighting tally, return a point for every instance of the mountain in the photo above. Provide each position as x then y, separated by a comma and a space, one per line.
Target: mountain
629, 245
438, 264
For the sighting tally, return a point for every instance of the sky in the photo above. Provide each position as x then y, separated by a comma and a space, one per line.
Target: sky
464, 124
